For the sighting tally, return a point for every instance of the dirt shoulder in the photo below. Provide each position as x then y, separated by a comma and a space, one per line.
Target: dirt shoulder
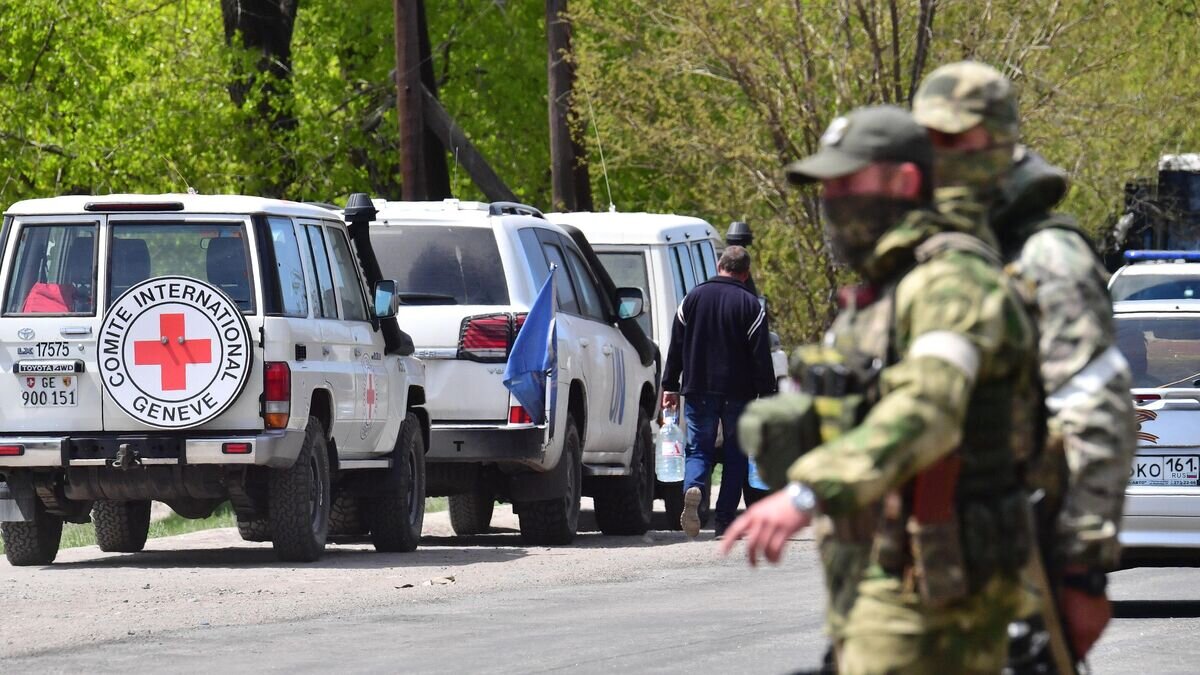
213, 578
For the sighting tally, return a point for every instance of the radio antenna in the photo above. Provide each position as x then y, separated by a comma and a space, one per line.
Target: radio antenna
171, 166
600, 146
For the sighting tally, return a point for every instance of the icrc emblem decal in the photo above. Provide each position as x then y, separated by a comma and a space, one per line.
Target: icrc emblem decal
174, 352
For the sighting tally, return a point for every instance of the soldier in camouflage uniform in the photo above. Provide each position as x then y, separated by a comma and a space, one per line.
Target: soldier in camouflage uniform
970, 110
925, 481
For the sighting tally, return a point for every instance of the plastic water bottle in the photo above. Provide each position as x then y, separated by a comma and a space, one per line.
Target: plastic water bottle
668, 461
753, 478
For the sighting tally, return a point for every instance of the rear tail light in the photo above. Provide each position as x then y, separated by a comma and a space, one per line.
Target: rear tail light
236, 448
277, 394
518, 415
12, 450
1146, 398
485, 338
489, 338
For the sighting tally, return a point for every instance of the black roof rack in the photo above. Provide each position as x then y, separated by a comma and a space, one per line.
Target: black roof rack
325, 205
513, 209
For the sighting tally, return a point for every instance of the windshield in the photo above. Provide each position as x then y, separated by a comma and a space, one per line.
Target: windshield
436, 265
1162, 351
629, 269
215, 253
1155, 287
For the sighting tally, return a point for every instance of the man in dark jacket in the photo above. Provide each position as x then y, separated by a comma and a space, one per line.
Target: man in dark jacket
720, 346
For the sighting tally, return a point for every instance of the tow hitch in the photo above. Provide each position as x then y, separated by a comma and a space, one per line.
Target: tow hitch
127, 458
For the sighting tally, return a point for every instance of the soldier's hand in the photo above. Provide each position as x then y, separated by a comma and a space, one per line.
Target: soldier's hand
1085, 615
766, 526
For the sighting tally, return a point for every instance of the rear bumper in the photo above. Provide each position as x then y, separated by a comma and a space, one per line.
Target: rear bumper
486, 443
267, 448
1161, 518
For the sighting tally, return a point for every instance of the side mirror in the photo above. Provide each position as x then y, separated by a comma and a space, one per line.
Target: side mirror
776, 342
387, 300
633, 302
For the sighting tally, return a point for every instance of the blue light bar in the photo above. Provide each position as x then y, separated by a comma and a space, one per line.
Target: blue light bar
1146, 256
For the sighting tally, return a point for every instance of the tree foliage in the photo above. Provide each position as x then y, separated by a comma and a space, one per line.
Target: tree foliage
703, 101
697, 103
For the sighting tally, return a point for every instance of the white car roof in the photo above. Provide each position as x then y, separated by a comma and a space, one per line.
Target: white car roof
1157, 307
459, 213
1159, 268
192, 203
613, 227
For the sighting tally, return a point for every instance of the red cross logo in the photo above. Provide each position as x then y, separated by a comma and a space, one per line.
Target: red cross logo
172, 351
370, 395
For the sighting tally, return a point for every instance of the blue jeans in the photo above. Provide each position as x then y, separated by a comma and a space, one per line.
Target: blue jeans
702, 412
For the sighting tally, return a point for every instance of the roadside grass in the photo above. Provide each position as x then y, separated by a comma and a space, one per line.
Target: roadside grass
74, 535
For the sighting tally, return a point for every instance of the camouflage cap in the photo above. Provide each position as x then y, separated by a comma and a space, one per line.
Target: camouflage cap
959, 96
880, 133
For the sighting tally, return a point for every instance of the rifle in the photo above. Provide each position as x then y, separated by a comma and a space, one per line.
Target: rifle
1035, 572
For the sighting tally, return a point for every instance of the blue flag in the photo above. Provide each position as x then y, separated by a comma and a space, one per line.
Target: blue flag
534, 354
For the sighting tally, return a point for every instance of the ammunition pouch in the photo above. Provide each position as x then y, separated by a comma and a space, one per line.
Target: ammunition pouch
776, 431
996, 537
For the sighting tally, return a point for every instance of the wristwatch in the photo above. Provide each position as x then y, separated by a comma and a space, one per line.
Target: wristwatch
1092, 581
801, 496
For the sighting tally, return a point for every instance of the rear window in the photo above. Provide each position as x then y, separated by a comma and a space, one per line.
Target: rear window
629, 270
1155, 287
1162, 351
216, 253
438, 265
54, 271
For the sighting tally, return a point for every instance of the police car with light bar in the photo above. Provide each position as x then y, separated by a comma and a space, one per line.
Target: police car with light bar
1157, 315
195, 349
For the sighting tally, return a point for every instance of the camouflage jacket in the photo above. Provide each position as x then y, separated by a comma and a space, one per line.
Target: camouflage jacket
1084, 376
957, 330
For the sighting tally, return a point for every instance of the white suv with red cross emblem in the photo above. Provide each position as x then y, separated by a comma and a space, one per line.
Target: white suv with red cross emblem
469, 273
195, 349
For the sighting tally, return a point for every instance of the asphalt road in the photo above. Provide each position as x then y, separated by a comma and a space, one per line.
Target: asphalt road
208, 602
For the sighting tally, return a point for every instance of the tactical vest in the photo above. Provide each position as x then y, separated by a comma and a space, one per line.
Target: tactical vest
990, 532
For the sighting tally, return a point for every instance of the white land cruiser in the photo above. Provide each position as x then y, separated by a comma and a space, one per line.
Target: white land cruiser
468, 274
195, 349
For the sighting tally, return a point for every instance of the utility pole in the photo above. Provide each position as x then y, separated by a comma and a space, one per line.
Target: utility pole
409, 101
568, 160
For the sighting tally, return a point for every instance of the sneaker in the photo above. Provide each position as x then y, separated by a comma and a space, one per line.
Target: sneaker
689, 520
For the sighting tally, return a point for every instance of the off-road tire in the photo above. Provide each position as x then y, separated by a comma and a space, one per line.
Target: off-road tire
258, 529
625, 504
35, 542
552, 522
121, 527
471, 512
346, 517
299, 500
397, 514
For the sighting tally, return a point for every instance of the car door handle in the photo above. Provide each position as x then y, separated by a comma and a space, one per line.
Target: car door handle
325, 350
75, 331
357, 352
584, 342
606, 350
